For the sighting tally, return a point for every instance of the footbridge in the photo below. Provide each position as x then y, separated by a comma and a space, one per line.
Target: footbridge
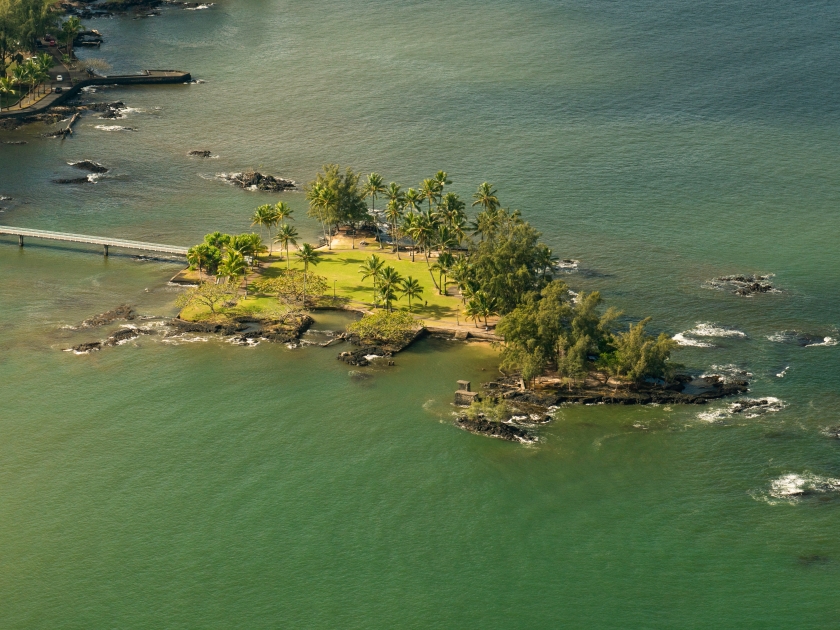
105, 243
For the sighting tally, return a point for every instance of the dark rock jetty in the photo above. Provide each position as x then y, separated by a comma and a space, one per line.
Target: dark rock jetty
253, 180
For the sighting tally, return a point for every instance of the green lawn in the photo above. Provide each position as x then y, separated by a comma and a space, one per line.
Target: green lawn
341, 267
7, 100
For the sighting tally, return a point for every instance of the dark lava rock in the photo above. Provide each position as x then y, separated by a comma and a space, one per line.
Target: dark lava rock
258, 181
357, 357
72, 180
229, 328
740, 406
482, 426
89, 165
123, 311
15, 142
684, 390
833, 432
84, 348
744, 285
199, 153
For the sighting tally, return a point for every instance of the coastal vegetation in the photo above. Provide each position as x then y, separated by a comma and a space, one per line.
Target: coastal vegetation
491, 268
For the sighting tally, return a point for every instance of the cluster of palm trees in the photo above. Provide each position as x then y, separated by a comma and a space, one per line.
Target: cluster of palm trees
269, 217
31, 73
388, 283
225, 256
436, 220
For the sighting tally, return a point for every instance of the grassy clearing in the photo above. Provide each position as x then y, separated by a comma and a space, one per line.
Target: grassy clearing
341, 268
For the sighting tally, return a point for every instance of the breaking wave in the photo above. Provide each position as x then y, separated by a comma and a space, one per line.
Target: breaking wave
745, 407
706, 329
793, 487
114, 128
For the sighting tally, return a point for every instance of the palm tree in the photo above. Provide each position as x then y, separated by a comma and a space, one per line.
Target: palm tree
308, 255
442, 266
200, 255
389, 281
394, 212
442, 180
371, 268
412, 200
374, 185
315, 195
395, 198
283, 211
263, 216
486, 197
286, 235
429, 189
69, 30
327, 200
7, 86
411, 289
480, 306
233, 266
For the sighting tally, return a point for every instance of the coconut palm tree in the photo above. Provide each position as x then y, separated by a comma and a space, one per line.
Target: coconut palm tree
286, 235
263, 216
7, 86
429, 190
389, 281
371, 268
395, 197
69, 30
486, 197
442, 180
442, 266
327, 201
373, 186
283, 211
308, 255
411, 289
393, 213
233, 266
202, 255
481, 306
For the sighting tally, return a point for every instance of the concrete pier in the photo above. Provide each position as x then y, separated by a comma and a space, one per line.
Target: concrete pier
106, 243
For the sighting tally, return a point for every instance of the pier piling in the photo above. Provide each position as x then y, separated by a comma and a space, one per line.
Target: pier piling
20, 240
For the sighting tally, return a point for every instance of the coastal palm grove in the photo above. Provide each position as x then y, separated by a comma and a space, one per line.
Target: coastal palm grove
24, 25
483, 258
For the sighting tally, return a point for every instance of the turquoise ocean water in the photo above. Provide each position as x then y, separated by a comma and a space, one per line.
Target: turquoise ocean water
186, 485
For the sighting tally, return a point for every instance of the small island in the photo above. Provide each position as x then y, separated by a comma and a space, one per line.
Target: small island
420, 264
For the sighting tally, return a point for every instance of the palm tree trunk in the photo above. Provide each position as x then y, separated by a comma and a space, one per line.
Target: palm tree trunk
287, 257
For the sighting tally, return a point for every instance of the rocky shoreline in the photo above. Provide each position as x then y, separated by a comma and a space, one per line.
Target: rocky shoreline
524, 409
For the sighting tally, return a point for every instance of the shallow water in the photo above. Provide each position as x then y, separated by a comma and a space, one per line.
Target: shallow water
202, 484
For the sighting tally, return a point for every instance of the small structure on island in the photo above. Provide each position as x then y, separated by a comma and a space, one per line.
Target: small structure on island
464, 396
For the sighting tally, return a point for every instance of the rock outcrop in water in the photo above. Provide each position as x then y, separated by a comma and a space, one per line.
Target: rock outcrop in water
252, 180
282, 330
121, 312
744, 285
199, 153
686, 390
89, 165
500, 430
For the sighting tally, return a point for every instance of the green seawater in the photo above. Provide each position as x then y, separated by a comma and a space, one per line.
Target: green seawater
199, 484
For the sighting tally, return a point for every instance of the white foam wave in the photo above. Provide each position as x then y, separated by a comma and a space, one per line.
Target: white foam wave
114, 128
200, 7
745, 407
372, 357
708, 329
682, 340
783, 372
792, 486
827, 341
727, 373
